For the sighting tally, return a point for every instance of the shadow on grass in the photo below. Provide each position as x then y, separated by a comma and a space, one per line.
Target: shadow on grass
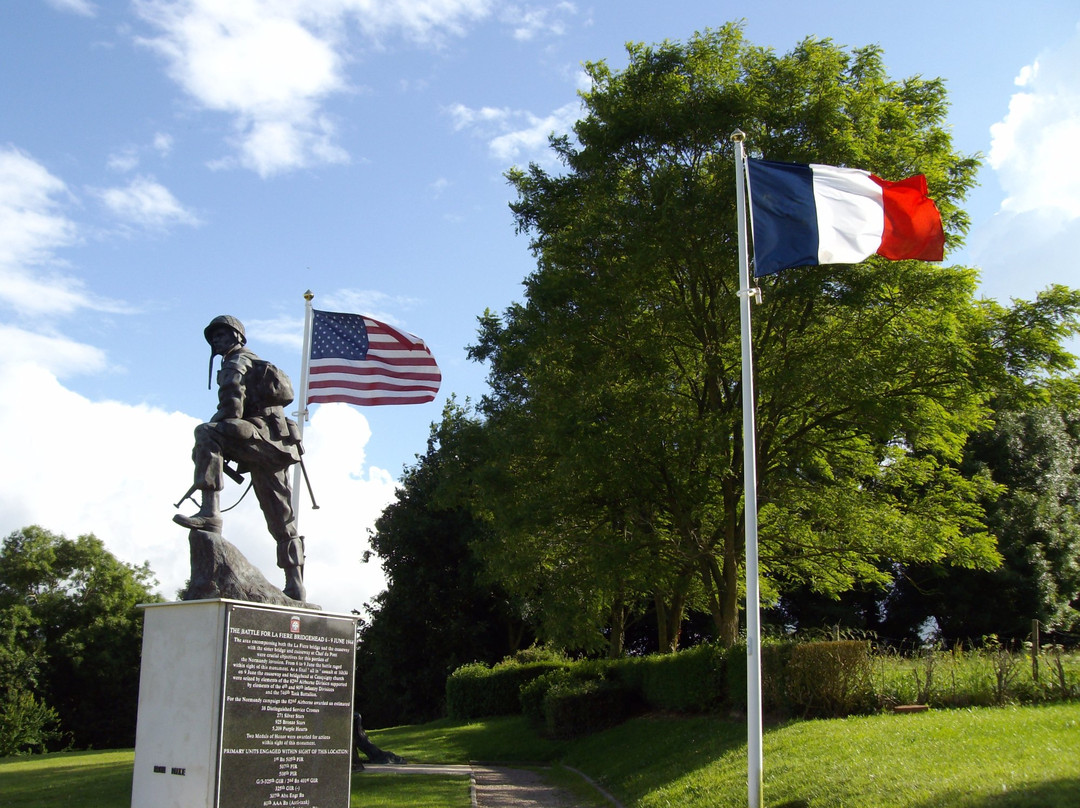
1064, 793
504, 739
655, 751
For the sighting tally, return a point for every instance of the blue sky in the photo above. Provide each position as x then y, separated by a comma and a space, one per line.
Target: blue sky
166, 161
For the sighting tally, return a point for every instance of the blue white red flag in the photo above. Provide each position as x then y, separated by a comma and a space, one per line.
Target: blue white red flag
358, 360
805, 215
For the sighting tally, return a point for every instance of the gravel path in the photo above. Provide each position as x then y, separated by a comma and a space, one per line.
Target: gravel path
516, 788
502, 787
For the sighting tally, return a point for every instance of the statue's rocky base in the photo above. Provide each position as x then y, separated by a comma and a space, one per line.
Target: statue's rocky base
219, 570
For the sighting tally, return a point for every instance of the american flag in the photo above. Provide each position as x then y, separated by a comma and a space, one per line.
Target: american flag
361, 361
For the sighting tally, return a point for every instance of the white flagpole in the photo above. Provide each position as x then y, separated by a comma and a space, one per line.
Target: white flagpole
301, 403
753, 617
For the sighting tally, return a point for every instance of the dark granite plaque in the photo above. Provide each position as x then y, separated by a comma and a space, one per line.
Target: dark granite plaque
286, 723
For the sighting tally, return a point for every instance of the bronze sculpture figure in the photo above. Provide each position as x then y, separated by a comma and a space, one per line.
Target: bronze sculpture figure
249, 429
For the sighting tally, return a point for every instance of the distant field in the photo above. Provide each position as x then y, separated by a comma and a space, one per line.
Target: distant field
1011, 757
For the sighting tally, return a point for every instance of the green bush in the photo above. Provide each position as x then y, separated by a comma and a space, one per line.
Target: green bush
690, 681
477, 691
536, 653
26, 724
533, 693
775, 656
830, 679
573, 707
798, 678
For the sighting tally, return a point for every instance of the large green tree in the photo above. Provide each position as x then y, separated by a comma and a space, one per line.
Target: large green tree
71, 624
439, 610
1035, 455
616, 395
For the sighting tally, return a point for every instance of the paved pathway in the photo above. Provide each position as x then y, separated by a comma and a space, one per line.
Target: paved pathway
503, 787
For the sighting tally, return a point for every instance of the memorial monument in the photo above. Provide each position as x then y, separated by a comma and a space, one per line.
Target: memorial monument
245, 690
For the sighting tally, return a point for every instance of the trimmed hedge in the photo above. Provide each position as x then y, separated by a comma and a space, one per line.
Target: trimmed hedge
774, 661
534, 693
816, 679
830, 679
575, 708
690, 681
477, 691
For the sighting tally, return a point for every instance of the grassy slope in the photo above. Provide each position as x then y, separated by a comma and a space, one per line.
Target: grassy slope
987, 758
1014, 757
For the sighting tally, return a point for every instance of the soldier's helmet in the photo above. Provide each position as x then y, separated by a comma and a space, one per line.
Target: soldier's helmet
228, 322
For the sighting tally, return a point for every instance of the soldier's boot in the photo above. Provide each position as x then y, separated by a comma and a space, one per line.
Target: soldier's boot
294, 582
208, 517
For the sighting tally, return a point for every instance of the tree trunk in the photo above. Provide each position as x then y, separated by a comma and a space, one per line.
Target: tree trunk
727, 626
722, 586
729, 598
662, 640
618, 630
669, 616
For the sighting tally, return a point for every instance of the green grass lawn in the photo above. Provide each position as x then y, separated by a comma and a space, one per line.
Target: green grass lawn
78, 779
1025, 757
507, 739
1012, 757
370, 790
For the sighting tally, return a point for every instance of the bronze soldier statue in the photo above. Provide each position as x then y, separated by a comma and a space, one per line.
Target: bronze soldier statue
249, 429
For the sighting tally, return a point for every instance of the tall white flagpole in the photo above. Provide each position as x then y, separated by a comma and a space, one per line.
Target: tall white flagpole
753, 617
301, 403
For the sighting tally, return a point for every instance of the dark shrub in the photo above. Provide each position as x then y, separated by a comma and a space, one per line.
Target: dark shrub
573, 708
476, 691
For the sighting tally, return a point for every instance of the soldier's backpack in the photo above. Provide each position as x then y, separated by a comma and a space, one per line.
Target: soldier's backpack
267, 385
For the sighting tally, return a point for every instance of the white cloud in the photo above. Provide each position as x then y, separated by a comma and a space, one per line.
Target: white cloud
1033, 148
285, 330
351, 496
438, 187
379, 305
146, 203
530, 22
516, 135
272, 64
33, 227
122, 486
426, 22
163, 144
81, 7
123, 161
128, 158
56, 355
72, 481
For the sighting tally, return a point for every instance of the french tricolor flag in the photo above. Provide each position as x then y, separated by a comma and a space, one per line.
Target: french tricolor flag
804, 215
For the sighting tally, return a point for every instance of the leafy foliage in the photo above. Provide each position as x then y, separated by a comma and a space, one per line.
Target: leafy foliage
615, 412
438, 612
1034, 454
72, 630
26, 725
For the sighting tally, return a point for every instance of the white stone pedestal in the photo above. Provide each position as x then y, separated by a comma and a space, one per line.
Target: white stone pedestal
244, 704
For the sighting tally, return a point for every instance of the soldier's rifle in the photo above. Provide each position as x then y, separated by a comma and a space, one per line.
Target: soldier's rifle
233, 474
238, 477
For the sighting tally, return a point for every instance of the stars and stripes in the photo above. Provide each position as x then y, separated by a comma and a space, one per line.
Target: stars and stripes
358, 360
